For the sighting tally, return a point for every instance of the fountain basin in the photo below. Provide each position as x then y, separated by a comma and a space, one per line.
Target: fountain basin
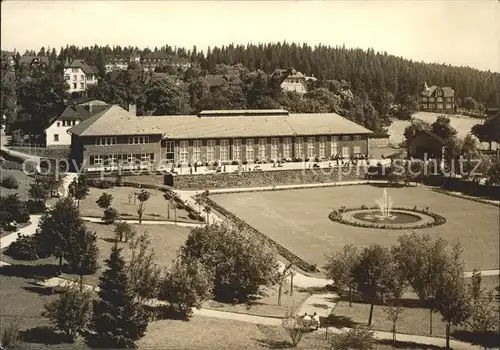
398, 218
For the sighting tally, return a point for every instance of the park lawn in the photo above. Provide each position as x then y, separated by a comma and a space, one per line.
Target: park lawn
23, 181
156, 208
165, 240
267, 303
298, 220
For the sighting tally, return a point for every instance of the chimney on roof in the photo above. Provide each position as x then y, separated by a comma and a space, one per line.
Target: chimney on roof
132, 109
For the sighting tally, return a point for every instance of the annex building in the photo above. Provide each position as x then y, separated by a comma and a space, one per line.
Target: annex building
117, 136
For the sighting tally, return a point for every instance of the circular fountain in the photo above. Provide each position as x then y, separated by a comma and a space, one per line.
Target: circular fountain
386, 216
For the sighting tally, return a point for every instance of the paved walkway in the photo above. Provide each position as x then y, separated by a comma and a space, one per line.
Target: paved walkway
147, 222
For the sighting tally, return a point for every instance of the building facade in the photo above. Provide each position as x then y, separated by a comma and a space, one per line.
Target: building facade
56, 133
121, 63
437, 99
426, 145
79, 75
118, 136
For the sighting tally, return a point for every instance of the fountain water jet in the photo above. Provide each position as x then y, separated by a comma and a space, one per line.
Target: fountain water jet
385, 204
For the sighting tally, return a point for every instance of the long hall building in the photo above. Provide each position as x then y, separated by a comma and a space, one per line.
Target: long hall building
119, 136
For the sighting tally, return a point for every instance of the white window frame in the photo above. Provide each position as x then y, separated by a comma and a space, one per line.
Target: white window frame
310, 147
440, 99
448, 105
138, 140
112, 159
224, 150
131, 158
237, 149
105, 141
346, 138
334, 146
274, 148
345, 151
357, 138
299, 147
262, 148
287, 148
145, 158
322, 147
356, 149
197, 144
439, 105
97, 160
250, 149
183, 152
210, 150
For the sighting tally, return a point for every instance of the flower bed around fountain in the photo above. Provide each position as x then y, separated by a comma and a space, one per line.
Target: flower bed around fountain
399, 218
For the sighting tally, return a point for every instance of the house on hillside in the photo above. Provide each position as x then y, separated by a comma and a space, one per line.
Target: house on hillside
437, 99
160, 58
56, 133
121, 63
32, 61
426, 145
218, 80
117, 136
293, 80
79, 75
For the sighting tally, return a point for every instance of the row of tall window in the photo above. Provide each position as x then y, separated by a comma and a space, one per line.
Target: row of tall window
261, 152
114, 159
439, 99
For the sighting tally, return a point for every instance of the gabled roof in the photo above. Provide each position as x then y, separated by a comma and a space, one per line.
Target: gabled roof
432, 135
447, 91
117, 121
78, 112
29, 60
77, 63
84, 99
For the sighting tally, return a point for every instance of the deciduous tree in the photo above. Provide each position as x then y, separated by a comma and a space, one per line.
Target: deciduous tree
340, 269
424, 261
186, 285
79, 188
371, 274
239, 264
71, 312
104, 201
143, 196
143, 273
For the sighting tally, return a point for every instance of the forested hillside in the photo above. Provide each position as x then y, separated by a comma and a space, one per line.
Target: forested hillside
365, 69
367, 87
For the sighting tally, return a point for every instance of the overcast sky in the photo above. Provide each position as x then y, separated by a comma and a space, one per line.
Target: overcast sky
454, 32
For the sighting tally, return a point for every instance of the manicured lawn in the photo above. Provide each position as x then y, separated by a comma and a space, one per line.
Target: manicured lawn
267, 304
298, 220
23, 181
165, 240
156, 208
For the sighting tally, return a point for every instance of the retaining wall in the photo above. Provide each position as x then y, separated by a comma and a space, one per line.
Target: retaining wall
268, 178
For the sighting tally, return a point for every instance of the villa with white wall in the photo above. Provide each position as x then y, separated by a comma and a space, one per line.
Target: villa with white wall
56, 133
79, 75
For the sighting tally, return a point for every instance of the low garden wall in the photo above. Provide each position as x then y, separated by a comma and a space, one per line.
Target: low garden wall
267, 178
285, 253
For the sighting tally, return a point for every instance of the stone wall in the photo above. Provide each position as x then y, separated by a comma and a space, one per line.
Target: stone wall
268, 178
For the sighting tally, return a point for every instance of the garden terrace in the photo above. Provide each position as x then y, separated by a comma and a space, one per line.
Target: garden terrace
298, 220
156, 207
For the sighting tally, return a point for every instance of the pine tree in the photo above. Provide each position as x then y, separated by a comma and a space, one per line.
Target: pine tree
118, 319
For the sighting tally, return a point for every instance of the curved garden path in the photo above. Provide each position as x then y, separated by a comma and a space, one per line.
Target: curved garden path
310, 304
